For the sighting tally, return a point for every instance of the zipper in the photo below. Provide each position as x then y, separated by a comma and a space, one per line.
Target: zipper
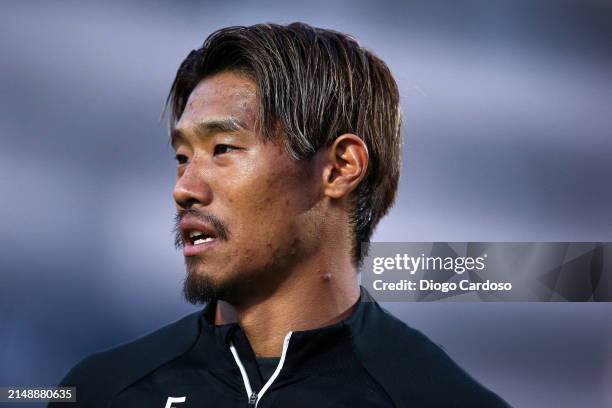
255, 397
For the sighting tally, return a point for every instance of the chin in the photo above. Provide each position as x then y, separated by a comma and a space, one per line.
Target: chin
203, 285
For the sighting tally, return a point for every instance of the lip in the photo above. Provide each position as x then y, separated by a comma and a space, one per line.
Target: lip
187, 225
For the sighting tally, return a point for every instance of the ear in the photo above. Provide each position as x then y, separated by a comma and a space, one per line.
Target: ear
346, 164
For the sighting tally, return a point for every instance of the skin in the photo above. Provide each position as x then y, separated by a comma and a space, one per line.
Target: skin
288, 249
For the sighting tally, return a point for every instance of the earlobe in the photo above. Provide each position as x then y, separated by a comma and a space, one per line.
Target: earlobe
347, 162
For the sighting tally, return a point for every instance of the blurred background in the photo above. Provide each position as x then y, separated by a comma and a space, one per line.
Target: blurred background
508, 137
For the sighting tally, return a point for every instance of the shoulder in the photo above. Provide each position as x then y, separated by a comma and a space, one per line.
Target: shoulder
413, 369
101, 375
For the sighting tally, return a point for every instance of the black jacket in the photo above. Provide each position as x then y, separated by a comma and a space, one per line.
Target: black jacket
371, 359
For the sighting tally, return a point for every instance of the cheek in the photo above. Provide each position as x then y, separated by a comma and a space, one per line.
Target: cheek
273, 188
265, 216
267, 212
269, 205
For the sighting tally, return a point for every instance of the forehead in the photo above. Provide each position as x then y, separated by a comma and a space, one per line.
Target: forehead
223, 95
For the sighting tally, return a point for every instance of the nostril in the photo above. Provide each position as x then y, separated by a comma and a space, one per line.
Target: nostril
187, 202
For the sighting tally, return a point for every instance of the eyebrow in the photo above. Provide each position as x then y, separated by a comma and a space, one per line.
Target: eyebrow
209, 127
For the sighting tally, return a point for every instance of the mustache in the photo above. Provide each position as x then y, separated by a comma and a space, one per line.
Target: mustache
218, 225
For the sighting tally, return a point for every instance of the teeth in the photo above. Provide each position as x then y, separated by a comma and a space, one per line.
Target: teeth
195, 234
202, 241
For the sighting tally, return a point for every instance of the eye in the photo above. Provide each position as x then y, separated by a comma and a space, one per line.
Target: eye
181, 158
223, 148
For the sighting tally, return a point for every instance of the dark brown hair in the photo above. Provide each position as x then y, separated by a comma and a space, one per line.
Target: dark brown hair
315, 85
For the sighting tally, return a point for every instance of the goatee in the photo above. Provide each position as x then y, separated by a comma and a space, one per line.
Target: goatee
197, 287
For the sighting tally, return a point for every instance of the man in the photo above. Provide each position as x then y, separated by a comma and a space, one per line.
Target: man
287, 143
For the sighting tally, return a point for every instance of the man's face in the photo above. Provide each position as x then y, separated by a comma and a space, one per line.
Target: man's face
255, 208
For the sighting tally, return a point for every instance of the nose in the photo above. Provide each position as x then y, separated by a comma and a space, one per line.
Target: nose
191, 188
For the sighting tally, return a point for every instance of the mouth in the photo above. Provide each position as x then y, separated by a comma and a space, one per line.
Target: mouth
197, 237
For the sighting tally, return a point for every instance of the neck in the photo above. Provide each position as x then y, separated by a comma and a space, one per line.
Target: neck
315, 296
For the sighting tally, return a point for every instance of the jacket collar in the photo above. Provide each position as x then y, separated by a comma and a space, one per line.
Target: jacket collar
306, 348
354, 322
